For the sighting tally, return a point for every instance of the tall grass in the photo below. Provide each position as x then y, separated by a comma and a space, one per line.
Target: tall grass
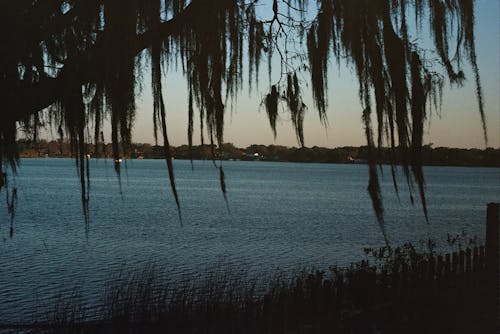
389, 292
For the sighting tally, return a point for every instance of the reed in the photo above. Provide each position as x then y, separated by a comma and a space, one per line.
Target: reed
391, 291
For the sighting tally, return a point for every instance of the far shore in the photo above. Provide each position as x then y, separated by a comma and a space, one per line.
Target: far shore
283, 161
430, 156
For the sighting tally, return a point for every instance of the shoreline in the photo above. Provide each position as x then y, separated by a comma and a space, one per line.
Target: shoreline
385, 163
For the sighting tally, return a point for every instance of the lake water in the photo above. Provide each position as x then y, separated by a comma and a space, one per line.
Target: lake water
282, 215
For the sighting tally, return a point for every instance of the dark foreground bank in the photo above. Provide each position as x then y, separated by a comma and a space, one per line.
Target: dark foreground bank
430, 156
394, 291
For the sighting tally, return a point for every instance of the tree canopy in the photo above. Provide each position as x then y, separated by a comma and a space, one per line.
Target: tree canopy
82, 62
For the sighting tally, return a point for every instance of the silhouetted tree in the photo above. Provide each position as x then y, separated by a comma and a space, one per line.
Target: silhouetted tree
81, 61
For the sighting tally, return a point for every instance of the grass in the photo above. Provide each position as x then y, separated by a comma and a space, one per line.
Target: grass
392, 291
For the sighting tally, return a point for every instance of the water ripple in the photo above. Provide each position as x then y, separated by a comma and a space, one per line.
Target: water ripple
283, 215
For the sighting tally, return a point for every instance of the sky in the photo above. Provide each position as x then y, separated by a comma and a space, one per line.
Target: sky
457, 125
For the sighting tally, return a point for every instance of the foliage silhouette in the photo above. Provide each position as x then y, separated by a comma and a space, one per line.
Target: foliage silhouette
81, 61
407, 289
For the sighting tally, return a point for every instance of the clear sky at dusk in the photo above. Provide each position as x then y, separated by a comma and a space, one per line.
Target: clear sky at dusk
458, 125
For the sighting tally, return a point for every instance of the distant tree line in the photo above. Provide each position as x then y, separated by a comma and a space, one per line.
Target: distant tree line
489, 157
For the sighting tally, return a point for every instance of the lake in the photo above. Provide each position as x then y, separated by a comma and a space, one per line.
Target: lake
279, 215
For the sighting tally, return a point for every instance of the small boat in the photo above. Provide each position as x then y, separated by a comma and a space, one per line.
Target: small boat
118, 160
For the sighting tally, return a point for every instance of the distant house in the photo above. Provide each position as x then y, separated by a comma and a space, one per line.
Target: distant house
252, 157
356, 161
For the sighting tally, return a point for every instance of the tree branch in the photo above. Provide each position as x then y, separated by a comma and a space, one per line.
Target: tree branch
31, 99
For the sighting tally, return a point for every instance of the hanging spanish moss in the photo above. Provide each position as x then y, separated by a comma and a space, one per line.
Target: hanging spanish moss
80, 61
319, 41
297, 108
271, 104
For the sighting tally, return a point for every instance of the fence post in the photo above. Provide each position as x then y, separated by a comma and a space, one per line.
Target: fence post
493, 258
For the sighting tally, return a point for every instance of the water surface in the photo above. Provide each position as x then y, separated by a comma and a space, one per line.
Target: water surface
281, 215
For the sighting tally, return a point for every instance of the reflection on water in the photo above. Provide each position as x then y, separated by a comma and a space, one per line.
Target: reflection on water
283, 215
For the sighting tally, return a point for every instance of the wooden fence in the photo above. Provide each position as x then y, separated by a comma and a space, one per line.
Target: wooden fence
456, 292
